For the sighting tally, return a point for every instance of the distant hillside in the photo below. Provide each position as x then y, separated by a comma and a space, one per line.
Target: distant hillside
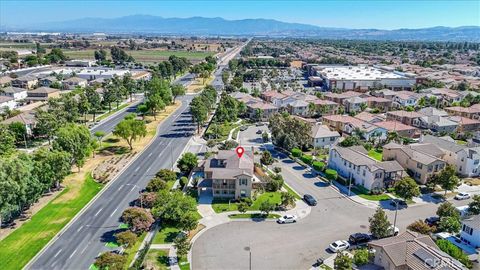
145, 24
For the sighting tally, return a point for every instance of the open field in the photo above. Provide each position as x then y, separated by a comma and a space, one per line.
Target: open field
144, 56
22, 244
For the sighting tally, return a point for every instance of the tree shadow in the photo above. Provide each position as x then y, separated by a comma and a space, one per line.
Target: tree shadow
298, 168
117, 150
110, 235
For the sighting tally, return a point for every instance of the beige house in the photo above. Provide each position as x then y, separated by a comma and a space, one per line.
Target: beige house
412, 251
420, 160
228, 175
27, 81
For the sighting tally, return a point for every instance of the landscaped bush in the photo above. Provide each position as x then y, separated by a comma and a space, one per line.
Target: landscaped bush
319, 166
307, 159
454, 251
331, 174
296, 152
183, 181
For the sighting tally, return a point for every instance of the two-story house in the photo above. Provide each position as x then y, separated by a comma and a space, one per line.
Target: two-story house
323, 137
421, 161
465, 159
470, 232
230, 176
354, 164
27, 81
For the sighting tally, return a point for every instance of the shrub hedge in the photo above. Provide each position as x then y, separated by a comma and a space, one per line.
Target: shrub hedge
331, 174
296, 152
307, 159
319, 166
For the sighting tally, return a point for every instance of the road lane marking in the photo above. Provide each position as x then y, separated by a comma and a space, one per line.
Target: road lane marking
120, 188
83, 250
133, 187
99, 211
113, 212
146, 172
136, 170
73, 253
149, 155
79, 228
58, 252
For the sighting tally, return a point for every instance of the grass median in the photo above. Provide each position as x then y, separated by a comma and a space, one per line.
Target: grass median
17, 249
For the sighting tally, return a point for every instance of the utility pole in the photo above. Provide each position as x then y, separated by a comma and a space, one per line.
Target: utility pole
395, 219
350, 184
249, 256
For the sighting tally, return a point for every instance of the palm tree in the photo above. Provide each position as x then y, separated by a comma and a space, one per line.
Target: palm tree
392, 136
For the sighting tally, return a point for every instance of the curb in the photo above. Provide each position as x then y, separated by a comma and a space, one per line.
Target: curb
54, 238
116, 113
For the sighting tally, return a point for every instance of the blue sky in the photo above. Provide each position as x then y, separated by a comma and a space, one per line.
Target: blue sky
381, 14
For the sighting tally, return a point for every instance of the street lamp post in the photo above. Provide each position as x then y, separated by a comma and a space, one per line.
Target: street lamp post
250, 256
395, 219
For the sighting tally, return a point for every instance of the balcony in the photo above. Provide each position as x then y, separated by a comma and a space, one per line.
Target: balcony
221, 186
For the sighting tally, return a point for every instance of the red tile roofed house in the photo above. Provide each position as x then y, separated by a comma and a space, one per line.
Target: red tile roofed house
445, 95
326, 107
339, 98
348, 124
270, 95
380, 103
405, 99
472, 112
465, 124
266, 110
407, 118
370, 118
401, 129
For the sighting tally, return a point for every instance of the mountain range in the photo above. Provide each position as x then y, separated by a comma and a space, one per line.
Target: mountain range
200, 26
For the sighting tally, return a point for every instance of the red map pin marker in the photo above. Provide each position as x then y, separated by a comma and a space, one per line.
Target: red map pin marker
240, 151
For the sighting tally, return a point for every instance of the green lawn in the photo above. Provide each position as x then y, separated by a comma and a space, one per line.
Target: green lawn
130, 252
291, 191
256, 215
375, 154
20, 246
222, 131
364, 193
183, 263
165, 235
158, 258
105, 115
273, 197
220, 206
461, 142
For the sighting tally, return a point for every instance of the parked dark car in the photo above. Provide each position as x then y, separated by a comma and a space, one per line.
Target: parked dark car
432, 221
359, 238
309, 199
401, 203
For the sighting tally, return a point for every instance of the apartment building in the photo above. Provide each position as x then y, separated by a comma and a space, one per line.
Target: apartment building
421, 161
465, 159
354, 164
228, 175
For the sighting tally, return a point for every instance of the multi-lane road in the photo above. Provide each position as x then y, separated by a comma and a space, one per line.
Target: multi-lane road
77, 246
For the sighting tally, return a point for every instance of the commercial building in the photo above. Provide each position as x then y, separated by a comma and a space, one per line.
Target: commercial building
362, 78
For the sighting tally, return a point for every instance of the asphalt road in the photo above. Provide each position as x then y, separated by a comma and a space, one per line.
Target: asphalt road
77, 247
107, 125
294, 246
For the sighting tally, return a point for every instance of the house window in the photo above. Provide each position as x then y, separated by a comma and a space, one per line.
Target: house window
430, 168
243, 182
243, 193
224, 182
419, 165
467, 229
364, 172
332, 139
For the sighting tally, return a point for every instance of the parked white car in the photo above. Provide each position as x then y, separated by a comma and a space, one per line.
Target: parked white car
462, 196
287, 219
393, 230
339, 245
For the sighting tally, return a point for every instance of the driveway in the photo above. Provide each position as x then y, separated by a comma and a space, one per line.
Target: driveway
293, 246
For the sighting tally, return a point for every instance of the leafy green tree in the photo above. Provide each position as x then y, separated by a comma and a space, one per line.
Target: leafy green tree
361, 257
19, 130
342, 262
452, 250
420, 226
56, 55
447, 209
142, 109
450, 224
156, 184
110, 261
47, 124
287, 199
100, 55
51, 167
173, 207
130, 130
379, 224
199, 111
94, 101
474, 206
126, 238
266, 207
178, 90
155, 104
7, 141
447, 179
188, 221
266, 158
167, 175
182, 244
407, 188
242, 207
75, 140
187, 162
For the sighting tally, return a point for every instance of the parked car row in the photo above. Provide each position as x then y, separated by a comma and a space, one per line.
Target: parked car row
357, 239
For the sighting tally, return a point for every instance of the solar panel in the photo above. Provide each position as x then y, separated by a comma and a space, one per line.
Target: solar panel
427, 258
